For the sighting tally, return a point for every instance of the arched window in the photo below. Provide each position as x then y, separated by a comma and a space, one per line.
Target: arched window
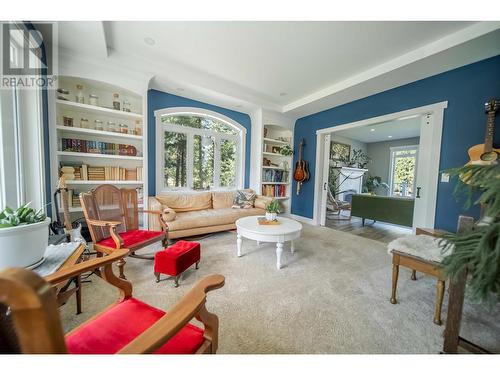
198, 150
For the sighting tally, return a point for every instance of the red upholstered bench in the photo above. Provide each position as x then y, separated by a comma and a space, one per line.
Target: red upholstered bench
174, 260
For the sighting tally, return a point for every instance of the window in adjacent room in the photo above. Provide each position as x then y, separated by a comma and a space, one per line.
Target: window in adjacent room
199, 152
403, 171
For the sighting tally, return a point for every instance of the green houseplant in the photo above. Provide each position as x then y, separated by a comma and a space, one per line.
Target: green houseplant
286, 150
273, 209
478, 250
23, 236
372, 183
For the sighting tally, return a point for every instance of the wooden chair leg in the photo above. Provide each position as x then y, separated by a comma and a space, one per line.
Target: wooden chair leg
395, 274
439, 302
157, 274
121, 264
413, 275
78, 294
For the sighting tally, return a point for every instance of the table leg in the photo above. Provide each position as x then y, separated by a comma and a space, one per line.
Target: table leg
439, 302
78, 286
238, 243
292, 246
413, 275
279, 251
395, 273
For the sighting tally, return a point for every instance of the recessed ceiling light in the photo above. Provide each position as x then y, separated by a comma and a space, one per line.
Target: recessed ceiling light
282, 93
372, 129
389, 136
149, 41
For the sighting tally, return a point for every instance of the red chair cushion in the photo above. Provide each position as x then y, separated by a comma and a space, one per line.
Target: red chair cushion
132, 237
118, 326
177, 258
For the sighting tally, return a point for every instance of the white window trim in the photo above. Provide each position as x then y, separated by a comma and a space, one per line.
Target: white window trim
391, 168
193, 111
22, 166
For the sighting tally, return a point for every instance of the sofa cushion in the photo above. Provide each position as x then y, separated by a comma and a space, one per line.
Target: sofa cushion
262, 201
222, 199
186, 201
211, 217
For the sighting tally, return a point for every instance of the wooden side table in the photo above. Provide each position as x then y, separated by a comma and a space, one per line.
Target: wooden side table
63, 290
420, 265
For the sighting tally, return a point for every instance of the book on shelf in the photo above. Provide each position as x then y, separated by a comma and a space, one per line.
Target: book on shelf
97, 147
274, 190
275, 175
98, 173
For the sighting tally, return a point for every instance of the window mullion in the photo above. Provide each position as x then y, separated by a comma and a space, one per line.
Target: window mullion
189, 160
217, 161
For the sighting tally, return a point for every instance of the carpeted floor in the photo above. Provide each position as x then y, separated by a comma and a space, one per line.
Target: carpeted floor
332, 296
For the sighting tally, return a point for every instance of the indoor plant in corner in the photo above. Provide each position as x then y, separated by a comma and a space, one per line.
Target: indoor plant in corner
272, 210
23, 236
478, 250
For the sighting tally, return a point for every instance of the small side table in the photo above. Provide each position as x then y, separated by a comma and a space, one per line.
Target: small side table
63, 290
426, 266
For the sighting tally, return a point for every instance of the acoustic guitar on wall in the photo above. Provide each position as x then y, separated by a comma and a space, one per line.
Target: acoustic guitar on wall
301, 173
485, 154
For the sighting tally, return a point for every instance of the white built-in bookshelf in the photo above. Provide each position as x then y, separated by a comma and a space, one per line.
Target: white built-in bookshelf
276, 168
97, 137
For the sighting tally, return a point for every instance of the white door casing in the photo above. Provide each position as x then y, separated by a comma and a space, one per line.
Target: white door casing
427, 166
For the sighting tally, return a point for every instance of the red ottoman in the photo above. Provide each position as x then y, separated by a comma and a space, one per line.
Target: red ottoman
174, 260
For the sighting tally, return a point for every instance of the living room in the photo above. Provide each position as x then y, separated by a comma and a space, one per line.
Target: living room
317, 203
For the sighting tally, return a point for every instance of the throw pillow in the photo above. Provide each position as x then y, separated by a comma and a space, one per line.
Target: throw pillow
243, 199
168, 214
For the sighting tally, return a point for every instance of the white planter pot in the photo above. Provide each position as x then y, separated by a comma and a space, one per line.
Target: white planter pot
271, 216
24, 245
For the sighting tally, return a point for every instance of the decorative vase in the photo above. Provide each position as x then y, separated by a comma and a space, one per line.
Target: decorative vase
23, 245
271, 216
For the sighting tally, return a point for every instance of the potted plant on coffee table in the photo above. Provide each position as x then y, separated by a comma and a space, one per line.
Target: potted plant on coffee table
23, 236
272, 210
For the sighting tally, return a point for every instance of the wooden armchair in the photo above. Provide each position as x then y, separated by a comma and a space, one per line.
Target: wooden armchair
112, 215
30, 322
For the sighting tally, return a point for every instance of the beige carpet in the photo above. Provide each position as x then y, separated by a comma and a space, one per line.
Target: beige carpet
332, 296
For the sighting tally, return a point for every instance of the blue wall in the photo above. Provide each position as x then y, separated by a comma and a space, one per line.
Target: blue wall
466, 89
159, 100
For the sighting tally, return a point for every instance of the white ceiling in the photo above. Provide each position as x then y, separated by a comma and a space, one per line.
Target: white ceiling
292, 67
384, 131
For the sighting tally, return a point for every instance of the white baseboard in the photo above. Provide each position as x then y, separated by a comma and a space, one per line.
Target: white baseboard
301, 219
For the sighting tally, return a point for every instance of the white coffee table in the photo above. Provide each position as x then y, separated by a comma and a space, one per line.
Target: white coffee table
287, 230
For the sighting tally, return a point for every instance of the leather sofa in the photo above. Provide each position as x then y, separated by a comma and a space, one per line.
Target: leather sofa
194, 213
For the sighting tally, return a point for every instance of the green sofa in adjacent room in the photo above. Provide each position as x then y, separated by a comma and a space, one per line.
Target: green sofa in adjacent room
393, 210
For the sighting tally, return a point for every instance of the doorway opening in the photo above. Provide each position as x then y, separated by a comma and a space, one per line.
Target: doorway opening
378, 177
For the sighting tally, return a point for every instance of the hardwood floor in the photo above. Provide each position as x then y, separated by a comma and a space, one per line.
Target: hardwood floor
378, 231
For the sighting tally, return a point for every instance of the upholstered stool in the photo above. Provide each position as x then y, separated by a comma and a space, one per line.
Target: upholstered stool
420, 253
177, 258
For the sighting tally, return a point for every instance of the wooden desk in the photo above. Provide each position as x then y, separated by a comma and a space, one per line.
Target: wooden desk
63, 290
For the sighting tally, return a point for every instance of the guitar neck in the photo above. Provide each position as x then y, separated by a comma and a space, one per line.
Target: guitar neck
300, 152
490, 128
